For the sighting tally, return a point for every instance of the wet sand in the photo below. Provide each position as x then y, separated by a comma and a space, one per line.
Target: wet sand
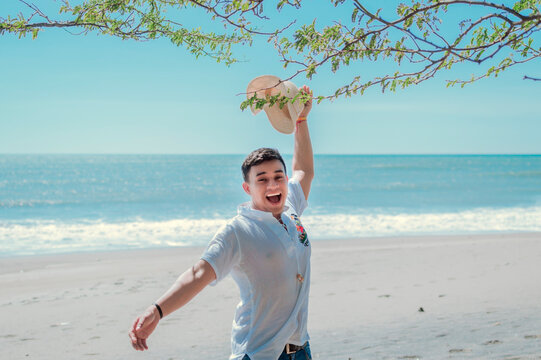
433, 297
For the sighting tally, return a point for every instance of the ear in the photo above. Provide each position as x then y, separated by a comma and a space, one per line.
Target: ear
246, 188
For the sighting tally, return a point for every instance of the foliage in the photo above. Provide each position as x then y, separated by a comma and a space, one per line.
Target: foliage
414, 36
150, 19
498, 37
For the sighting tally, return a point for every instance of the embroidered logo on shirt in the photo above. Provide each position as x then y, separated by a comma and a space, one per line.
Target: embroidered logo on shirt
303, 236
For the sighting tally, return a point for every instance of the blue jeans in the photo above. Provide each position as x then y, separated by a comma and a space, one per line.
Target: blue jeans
303, 354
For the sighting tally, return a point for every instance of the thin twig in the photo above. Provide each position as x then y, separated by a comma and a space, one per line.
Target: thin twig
531, 78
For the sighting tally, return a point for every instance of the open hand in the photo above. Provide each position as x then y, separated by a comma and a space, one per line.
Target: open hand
142, 327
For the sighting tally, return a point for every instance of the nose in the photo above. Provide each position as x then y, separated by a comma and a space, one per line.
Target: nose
273, 184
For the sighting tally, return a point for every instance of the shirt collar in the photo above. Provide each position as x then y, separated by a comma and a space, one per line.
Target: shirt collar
247, 210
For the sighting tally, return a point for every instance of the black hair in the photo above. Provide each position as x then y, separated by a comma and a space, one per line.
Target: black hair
259, 156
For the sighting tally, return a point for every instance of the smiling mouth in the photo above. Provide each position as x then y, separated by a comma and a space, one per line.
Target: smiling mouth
275, 198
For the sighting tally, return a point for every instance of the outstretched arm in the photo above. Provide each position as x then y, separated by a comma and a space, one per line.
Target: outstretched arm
189, 284
303, 157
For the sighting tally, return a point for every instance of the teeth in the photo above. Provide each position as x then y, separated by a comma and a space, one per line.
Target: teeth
273, 194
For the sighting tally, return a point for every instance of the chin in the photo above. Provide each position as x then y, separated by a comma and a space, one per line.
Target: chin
277, 208
274, 208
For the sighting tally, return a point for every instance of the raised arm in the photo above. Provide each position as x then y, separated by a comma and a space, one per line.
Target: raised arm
303, 157
189, 284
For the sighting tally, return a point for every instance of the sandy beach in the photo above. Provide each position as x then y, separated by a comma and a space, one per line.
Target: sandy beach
433, 297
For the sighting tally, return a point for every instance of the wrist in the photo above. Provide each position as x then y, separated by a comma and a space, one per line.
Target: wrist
300, 120
157, 310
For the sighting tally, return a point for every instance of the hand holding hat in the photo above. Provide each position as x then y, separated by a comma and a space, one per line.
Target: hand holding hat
308, 104
282, 119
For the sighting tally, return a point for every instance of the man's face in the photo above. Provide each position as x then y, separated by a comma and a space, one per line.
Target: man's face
267, 185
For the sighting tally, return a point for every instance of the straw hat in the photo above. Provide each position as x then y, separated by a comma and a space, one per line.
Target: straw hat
282, 119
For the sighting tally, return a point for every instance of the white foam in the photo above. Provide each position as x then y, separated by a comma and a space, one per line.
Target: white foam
34, 237
482, 220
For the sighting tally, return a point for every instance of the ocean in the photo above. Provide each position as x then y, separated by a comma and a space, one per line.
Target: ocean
67, 203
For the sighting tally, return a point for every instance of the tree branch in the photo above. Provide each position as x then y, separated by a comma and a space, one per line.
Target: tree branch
531, 78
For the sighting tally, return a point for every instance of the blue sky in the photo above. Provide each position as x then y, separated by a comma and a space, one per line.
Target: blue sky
96, 94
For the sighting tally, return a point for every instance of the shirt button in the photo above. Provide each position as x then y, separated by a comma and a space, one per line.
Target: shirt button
300, 277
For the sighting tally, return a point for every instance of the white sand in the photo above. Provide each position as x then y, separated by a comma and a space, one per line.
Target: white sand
481, 297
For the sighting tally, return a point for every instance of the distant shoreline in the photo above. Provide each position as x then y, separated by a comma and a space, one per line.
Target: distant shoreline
369, 241
284, 154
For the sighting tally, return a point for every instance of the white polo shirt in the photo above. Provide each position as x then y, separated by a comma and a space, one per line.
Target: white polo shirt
271, 266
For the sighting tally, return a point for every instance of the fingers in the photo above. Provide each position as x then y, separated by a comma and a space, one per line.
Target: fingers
139, 322
307, 90
137, 343
136, 325
141, 343
134, 341
133, 337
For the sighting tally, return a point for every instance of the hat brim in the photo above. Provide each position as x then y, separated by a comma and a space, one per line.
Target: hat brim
282, 119
262, 86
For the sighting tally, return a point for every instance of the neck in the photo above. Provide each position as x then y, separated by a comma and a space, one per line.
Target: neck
278, 216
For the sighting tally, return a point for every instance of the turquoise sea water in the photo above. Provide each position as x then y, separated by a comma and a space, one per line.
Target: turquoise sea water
58, 203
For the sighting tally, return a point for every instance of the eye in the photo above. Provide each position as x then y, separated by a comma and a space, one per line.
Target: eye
262, 180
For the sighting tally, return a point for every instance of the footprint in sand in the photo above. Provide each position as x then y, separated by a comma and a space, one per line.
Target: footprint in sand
60, 324
34, 300
95, 286
454, 351
492, 342
532, 337
7, 336
415, 357
385, 296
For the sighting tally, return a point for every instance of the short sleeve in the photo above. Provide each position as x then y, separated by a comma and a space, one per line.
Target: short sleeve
295, 197
222, 252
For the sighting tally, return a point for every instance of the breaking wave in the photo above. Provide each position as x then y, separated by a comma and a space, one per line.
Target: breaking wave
46, 236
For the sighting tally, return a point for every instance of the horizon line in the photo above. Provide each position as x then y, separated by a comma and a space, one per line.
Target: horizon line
285, 153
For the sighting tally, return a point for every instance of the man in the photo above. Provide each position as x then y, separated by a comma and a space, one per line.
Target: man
266, 250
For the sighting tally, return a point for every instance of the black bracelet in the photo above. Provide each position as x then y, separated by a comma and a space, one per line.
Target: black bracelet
159, 310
